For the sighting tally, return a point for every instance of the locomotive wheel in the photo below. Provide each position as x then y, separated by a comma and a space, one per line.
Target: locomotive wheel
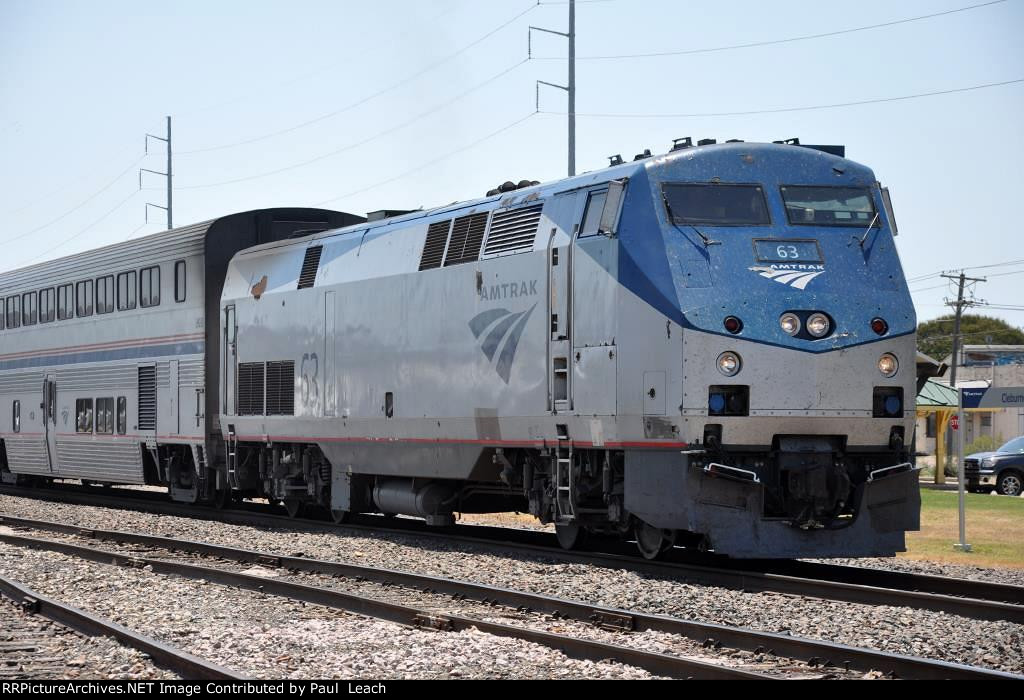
293, 506
339, 516
651, 541
221, 498
570, 535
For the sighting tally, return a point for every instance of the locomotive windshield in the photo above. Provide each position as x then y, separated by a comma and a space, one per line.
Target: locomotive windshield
829, 206
716, 205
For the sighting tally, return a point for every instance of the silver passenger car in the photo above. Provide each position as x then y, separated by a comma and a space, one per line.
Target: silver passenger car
107, 357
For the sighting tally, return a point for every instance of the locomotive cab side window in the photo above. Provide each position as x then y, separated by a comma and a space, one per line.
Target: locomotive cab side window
829, 206
149, 287
714, 204
83, 299
65, 302
592, 215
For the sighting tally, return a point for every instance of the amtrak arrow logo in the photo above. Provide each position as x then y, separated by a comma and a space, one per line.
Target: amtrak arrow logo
798, 276
500, 327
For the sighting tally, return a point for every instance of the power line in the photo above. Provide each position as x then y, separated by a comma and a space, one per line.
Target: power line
363, 141
774, 42
364, 100
249, 94
78, 206
83, 231
418, 168
928, 289
791, 109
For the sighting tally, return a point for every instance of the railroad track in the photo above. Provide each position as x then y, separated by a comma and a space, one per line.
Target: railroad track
26, 638
826, 657
968, 598
422, 617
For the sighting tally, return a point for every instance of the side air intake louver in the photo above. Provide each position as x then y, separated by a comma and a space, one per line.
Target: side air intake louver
467, 235
147, 398
250, 389
281, 388
433, 249
513, 231
310, 264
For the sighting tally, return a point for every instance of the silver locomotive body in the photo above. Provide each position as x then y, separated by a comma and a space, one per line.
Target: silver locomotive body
554, 349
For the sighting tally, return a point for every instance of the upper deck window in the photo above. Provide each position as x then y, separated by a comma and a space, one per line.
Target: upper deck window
716, 204
65, 302
14, 311
829, 206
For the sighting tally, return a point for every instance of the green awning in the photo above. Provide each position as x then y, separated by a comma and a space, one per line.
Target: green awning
934, 394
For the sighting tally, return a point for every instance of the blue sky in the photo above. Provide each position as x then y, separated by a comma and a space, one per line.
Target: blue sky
393, 104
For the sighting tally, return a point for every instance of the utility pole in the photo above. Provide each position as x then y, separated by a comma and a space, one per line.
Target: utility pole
570, 89
959, 306
169, 175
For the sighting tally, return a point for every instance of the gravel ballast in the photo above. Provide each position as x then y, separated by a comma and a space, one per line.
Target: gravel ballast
902, 630
270, 637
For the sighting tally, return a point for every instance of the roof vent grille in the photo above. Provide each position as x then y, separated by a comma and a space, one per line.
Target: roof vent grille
433, 249
310, 265
513, 231
467, 236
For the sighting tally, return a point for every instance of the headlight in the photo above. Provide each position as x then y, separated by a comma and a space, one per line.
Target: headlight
818, 325
729, 363
888, 365
790, 323
988, 463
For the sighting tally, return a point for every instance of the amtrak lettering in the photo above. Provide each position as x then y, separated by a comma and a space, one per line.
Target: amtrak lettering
496, 327
508, 290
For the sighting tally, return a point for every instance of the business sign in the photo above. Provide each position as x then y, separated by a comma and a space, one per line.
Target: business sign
993, 397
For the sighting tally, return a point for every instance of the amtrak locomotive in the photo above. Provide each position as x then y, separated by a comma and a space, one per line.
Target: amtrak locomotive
713, 347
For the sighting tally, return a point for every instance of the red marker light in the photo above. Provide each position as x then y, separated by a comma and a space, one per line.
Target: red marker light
879, 326
733, 324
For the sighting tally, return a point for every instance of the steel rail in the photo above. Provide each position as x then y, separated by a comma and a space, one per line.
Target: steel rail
727, 574
182, 663
811, 651
574, 647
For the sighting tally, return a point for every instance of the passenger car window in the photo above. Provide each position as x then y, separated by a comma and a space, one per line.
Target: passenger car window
46, 305
105, 294
126, 291
149, 287
28, 309
179, 281
83, 299
65, 302
83, 415
105, 416
14, 311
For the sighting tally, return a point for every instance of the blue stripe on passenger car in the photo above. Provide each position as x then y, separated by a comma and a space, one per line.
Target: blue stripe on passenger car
133, 353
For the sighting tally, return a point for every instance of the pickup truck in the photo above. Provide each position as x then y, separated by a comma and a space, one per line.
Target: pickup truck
1002, 469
